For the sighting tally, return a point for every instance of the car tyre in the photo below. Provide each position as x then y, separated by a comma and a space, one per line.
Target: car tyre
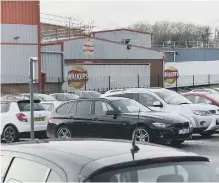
176, 142
142, 134
10, 134
64, 132
207, 134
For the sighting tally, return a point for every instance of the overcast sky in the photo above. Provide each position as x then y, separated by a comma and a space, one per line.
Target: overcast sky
115, 14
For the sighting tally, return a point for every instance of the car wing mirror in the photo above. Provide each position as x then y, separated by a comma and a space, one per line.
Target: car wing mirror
157, 104
111, 112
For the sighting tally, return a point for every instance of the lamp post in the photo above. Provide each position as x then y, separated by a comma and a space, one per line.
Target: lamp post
32, 78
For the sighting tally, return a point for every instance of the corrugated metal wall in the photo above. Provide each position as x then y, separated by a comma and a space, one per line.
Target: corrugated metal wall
52, 62
15, 62
19, 12
194, 54
19, 39
25, 33
107, 50
136, 38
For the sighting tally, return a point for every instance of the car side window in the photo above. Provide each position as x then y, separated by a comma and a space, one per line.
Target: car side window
73, 108
5, 162
126, 95
200, 99
191, 98
53, 177
63, 109
30, 171
84, 108
102, 107
147, 99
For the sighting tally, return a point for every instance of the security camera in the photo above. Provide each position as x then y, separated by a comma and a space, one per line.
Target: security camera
34, 59
126, 41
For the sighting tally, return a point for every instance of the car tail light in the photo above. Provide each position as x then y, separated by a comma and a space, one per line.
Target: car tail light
21, 117
50, 117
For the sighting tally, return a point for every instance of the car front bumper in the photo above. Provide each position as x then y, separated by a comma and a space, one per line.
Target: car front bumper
166, 135
51, 130
211, 123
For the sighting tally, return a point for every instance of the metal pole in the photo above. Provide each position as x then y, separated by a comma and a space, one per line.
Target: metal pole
31, 100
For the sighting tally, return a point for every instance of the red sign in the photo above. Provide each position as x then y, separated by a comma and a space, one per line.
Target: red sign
88, 61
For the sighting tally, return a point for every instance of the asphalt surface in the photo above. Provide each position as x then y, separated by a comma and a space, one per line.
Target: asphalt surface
208, 147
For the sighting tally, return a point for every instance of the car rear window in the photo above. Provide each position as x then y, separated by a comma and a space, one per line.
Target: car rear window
161, 172
25, 106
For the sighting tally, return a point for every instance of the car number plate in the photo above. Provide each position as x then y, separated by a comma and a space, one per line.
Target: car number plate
39, 119
184, 131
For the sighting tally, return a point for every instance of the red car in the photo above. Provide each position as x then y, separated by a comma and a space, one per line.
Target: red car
202, 97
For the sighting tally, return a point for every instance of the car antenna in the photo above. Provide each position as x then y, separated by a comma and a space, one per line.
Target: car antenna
135, 148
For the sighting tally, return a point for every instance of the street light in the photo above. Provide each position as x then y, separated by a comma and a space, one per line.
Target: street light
32, 78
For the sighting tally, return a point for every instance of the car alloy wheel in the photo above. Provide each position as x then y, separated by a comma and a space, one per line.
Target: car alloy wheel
10, 134
141, 135
63, 132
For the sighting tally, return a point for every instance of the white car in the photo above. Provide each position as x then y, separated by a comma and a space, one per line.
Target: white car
15, 119
49, 106
204, 117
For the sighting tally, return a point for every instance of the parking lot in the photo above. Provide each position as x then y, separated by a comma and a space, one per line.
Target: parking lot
208, 147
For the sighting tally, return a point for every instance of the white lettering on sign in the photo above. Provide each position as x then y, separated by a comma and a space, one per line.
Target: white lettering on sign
78, 76
171, 74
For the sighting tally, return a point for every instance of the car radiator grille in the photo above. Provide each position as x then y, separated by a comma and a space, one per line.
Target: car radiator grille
181, 125
213, 111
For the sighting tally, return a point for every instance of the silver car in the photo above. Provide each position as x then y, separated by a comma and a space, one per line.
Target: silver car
204, 117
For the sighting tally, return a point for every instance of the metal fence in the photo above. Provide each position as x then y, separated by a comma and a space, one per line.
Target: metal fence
103, 84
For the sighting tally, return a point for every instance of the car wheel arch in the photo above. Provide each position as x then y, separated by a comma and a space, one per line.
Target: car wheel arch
10, 124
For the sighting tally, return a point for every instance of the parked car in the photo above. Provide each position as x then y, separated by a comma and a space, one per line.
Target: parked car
203, 117
49, 106
101, 160
210, 90
64, 96
217, 89
39, 96
15, 119
13, 97
116, 117
203, 97
86, 94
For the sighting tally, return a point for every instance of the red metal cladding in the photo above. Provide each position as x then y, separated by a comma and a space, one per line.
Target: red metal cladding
19, 12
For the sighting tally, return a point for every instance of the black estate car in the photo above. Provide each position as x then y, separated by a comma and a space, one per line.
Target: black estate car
116, 118
99, 160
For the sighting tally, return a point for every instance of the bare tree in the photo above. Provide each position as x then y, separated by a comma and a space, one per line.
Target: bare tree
178, 32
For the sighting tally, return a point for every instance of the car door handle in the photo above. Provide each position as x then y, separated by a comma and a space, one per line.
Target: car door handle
89, 123
95, 119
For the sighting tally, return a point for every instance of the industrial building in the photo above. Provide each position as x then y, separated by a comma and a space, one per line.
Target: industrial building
111, 62
104, 59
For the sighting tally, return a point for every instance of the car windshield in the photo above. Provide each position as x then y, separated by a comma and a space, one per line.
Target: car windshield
129, 106
45, 97
214, 97
165, 172
171, 97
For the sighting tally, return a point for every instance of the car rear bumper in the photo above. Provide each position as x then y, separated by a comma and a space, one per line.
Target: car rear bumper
26, 127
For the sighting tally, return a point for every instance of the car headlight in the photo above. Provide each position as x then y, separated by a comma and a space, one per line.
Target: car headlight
202, 113
161, 125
